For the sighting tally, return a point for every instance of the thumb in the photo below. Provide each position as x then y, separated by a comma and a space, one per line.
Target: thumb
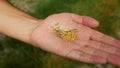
90, 22
85, 20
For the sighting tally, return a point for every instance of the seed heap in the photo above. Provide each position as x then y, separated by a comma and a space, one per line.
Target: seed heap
69, 35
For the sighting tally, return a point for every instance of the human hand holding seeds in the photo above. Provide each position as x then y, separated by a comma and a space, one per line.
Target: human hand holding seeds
66, 34
71, 36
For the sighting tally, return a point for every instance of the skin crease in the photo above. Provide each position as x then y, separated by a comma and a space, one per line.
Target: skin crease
90, 47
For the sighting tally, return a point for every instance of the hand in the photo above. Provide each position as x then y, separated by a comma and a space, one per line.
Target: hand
90, 46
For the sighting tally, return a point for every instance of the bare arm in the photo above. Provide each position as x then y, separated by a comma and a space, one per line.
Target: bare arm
15, 23
87, 44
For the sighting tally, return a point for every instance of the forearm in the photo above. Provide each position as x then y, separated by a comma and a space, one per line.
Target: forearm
15, 23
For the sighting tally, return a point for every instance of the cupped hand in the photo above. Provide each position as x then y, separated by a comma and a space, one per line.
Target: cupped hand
90, 46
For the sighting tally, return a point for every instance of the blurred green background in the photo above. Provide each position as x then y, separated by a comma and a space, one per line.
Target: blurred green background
16, 54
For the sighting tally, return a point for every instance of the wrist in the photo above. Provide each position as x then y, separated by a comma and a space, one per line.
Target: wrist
17, 26
15, 23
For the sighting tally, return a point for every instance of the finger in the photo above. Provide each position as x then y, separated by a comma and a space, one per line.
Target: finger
97, 36
84, 57
85, 20
93, 51
111, 58
104, 47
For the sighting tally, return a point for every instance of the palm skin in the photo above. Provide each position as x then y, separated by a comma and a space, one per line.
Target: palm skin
90, 46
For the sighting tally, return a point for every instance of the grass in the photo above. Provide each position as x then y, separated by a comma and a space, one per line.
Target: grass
22, 55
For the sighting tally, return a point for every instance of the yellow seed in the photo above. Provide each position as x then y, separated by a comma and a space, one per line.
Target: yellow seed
69, 35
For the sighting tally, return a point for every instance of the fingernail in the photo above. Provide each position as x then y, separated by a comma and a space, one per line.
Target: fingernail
117, 43
115, 60
99, 59
118, 53
90, 21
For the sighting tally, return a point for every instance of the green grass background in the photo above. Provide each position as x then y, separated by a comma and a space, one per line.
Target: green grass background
16, 54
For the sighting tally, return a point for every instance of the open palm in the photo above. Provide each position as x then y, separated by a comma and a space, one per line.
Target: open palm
90, 46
